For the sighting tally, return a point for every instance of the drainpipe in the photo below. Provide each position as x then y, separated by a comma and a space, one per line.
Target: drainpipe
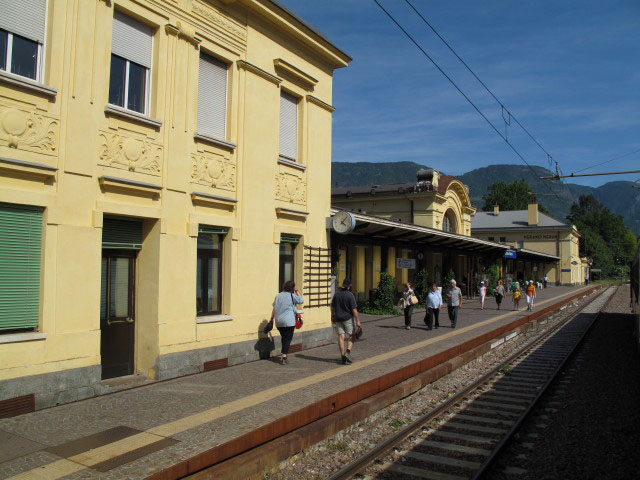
412, 212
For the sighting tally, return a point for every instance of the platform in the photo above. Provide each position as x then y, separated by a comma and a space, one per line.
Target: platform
172, 428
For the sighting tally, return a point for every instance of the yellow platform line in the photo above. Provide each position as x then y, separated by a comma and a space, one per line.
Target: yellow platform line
206, 416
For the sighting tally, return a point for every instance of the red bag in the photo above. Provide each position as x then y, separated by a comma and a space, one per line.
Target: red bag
299, 321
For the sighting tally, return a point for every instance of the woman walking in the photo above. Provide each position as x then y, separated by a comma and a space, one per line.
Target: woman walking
499, 293
407, 305
483, 293
284, 311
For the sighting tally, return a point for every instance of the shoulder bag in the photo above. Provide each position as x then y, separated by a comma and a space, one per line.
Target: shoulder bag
299, 321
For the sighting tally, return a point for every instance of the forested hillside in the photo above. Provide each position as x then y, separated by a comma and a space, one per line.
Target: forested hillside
618, 197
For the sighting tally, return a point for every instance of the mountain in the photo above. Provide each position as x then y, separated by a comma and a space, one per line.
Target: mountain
557, 197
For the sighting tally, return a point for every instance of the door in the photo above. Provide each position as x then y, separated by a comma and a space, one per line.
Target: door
117, 312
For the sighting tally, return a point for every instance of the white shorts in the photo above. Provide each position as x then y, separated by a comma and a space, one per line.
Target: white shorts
529, 299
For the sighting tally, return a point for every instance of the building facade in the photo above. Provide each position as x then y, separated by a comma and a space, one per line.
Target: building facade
530, 230
164, 167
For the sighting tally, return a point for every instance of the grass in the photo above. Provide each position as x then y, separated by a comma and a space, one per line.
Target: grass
337, 446
504, 369
396, 423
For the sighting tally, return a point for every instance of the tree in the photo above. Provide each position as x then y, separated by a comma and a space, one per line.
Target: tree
509, 196
604, 236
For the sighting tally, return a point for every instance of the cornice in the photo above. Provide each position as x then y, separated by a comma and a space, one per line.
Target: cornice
250, 67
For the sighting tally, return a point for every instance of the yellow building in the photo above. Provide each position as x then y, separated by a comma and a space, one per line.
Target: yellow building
434, 200
439, 203
164, 166
530, 230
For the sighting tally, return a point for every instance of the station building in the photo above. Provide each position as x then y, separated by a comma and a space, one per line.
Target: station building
164, 167
532, 231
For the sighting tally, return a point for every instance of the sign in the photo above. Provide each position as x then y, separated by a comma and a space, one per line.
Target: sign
591, 261
510, 254
566, 270
408, 263
574, 263
540, 236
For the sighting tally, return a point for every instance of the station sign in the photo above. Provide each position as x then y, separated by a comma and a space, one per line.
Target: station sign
408, 263
510, 254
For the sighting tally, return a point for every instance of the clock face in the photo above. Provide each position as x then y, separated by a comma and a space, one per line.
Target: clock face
343, 222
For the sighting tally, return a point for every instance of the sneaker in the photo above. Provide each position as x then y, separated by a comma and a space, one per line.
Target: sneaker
346, 360
283, 361
407, 327
348, 357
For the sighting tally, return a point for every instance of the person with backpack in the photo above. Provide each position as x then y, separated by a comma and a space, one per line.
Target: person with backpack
345, 319
284, 312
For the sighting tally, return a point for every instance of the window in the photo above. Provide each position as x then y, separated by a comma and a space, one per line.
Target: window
449, 222
503, 239
212, 97
131, 51
209, 270
20, 259
288, 126
287, 258
22, 25
491, 239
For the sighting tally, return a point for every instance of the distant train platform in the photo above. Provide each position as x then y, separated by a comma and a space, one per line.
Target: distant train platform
174, 428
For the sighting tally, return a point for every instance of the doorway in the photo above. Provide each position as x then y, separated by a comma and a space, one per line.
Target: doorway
121, 242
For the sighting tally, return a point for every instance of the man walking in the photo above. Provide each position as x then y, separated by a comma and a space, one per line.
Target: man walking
434, 304
345, 318
454, 302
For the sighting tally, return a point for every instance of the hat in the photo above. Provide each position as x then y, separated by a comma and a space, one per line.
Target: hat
481, 283
346, 283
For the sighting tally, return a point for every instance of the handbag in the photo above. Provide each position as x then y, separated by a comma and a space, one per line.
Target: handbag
358, 333
299, 321
413, 300
268, 327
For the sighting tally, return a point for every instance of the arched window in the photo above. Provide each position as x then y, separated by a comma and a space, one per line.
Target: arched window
449, 222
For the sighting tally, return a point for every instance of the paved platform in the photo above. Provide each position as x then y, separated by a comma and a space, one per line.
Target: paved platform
143, 432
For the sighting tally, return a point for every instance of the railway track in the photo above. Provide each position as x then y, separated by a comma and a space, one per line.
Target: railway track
461, 438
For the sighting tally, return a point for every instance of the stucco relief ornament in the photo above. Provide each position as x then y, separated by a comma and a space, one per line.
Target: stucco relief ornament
290, 189
132, 154
213, 172
28, 129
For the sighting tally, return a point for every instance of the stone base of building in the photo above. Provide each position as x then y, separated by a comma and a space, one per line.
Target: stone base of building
212, 358
35, 392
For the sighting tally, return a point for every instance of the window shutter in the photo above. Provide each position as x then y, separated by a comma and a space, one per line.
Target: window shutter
26, 18
132, 39
287, 238
211, 229
20, 253
288, 126
212, 97
118, 233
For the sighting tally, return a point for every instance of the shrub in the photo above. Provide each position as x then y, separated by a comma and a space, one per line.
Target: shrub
384, 303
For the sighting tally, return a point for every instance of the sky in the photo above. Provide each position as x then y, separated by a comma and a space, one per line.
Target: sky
568, 71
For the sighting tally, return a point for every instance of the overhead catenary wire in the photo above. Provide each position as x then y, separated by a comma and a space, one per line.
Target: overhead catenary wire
504, 108
462, 93
607, 161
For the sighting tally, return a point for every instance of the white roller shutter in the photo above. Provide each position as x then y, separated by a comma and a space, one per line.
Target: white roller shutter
132, 39
26, 18
288, 125
212, 97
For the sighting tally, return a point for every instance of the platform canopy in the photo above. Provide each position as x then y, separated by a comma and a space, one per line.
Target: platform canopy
372, 229
525, 254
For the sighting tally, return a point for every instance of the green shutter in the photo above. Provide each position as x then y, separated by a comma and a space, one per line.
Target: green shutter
20, 254
211, 229
120, 233
287, 238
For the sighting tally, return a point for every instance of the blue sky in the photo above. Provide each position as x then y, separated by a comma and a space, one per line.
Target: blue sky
568, 70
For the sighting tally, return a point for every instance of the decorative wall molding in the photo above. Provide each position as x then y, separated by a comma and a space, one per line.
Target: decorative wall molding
131, 115
213, 171
320, 103
214, 17
294, 74
290, 188
130, 153
214, 141
27, 84
250, 67
32, 169
213, 200
27, 130
140, 188
184, 32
